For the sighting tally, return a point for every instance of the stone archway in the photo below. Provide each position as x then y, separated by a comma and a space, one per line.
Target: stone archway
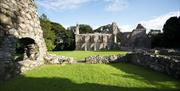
26, 49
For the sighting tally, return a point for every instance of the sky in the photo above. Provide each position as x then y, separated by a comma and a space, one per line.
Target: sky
152, 14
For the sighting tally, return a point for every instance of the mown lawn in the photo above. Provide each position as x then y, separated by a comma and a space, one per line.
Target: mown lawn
91, 77
80, 55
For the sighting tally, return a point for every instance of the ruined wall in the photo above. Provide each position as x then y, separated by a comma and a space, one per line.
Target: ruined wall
165, 64
19, 21
137, 39
94, 42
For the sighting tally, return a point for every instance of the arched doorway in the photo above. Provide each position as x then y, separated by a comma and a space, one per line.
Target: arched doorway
26, 48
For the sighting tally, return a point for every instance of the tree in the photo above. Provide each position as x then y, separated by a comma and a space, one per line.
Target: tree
56, 36
56, 27
108, 29
48, 34
171, 32
83, 28
65, 40
44, 17
157, 41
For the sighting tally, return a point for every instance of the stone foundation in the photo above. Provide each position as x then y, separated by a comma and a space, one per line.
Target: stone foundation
165, 64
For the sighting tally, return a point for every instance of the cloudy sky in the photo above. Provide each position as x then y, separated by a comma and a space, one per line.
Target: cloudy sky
127, 13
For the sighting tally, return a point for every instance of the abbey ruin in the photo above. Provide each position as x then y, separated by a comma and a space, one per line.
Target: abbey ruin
108, 41
96, 41
19, 24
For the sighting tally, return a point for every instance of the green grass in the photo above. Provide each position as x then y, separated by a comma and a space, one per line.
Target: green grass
91, 77
80, 55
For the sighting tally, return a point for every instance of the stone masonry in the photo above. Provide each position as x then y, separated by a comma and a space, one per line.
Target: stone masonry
19, 21
96, 41
166, 64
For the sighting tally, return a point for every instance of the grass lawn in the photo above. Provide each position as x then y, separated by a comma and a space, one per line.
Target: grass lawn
80, 55
91, 77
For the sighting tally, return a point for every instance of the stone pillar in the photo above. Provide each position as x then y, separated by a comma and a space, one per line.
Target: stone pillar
95, 42
95, 46
87, 37
77, 37
77, 29
114, 31
115, 39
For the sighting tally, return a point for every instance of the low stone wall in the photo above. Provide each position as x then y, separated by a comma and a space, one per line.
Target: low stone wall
105, 59
57, 59
164, 64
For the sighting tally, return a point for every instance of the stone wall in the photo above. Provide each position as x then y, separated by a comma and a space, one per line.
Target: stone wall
19, 21
105, 59
137, 39
96, 41
165, 64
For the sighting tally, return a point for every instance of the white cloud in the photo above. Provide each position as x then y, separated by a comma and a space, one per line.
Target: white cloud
158, 22
116, 5
155, 23
61, 4
126, 28
113, 5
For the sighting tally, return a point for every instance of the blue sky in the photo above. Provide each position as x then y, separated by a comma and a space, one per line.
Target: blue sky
127, 13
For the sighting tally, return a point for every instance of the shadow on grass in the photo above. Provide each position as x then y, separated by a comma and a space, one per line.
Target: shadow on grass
22, 83
146, 75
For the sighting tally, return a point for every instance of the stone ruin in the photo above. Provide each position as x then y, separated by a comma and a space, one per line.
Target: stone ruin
20, 28
137, 39
96, 41
19, 22
164, 62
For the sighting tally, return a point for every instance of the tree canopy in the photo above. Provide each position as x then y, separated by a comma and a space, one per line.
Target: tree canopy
83, 28
170, 36
48, 34
171, 31
54, 32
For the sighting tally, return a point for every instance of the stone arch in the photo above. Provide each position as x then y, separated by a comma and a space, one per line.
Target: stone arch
28, 49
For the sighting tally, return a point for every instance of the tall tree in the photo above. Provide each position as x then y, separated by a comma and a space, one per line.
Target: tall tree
65, 40
83, 28
56, 27
48, 34
171, 33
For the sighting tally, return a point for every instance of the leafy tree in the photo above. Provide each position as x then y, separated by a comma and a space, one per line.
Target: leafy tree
56, 27
170, 36
108, 29
48, 34
83, 28
54, 32
44, 17
171, 31
104, 29
65, 40
157, 40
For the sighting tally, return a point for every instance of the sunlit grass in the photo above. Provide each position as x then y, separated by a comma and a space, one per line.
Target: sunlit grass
88, 77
